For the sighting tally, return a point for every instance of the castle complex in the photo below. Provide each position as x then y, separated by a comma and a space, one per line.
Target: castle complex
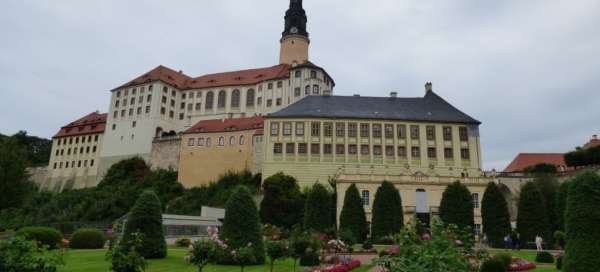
279, 118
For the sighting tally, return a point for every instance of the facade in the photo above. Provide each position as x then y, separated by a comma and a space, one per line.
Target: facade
420, 144
168, 101
211, 148
75, 153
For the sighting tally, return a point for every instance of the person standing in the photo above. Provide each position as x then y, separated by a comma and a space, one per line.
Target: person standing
538, 242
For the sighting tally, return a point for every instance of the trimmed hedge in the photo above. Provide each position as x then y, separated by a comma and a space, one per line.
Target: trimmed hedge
532, 218
353, 216
495, 215
388, 217
44, 236
456, 206
183, 241
87, 239
544, 257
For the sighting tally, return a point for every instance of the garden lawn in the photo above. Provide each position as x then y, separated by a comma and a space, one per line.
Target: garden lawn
94, 261
530, 256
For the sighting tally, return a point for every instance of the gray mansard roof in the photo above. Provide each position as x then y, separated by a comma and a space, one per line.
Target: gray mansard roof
430, 108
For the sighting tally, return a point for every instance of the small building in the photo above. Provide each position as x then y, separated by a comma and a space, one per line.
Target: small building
524, 160
212, 147
594, 141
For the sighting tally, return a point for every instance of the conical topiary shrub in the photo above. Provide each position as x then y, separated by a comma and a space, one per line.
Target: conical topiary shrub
494, 215
387, 212
145, 218
456, 206
353, 216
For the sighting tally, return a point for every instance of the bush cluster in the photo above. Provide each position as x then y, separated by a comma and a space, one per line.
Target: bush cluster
492, 265
583, 157
87, 239
544, 257
44, 236
183, 242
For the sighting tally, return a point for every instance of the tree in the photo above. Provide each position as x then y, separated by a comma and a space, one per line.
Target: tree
282, 204
388, 216
560, 204
353, 215
541, 168
316, 210
548, 185
241, 225
582, 219
532, 218
14, 183
276, 250
456, 206
494, 214
146, 218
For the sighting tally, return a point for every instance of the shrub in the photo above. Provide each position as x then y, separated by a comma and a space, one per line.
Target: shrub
582, 219
532, 218
559, 262
183, 242
388, 217
146, 218
44, 236
495, 216
353, 216
347, 237
282, 204
126, 257
386, 240
317, 209
367, 245
505, 258
203, 253
544, 257
456, 206
493, 265
559, 238
87, 239
276, 250
18, 254
310, 257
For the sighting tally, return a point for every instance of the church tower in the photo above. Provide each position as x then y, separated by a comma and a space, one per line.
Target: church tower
294, 40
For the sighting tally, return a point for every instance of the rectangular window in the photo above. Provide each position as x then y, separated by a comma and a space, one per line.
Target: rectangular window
389, 131
297, 91
377, 150
287, 129
340, 149
181, 116
147, 109
431, 152
115, 114
464, 154
340, 128
364, 130
327, 149
277, 148
327, 129
364, 150
191, 141
279, 84
149, 98
402, 151
315, 129
133, 124
190, 107
389, 150
131, 112
448, 153
302, 148
299, 129
447, 133
365, 198
198, 106
430, 133
376, 131
269, 102
475, 197
290, 148
278, 102
139, 110
477, 229
163, 110
352, 149
171, 114
117, 104
352, 130
315, 149
270, 86
274, 129
401, 131
414, 132
415, 152
463, 134
182, 105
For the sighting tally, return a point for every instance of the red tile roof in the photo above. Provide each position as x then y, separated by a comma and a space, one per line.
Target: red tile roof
524, 160
90, 124
592, 143
227, 125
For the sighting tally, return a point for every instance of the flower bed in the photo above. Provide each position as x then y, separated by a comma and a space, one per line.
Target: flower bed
343, 267
519, 264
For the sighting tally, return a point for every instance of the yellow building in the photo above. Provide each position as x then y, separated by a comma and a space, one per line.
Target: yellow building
420, 144
211, 148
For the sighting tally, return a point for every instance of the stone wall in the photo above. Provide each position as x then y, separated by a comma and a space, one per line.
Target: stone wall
165, 153
38, 175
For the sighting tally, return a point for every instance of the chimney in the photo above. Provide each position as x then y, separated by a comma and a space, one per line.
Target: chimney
393, 94
181, 71
428, 87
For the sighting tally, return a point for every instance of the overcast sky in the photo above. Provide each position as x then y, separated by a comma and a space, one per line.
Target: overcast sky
529, 70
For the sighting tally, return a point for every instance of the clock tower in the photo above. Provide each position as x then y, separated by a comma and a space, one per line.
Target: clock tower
294, 40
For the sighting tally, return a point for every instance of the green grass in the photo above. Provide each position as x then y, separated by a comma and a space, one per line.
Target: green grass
93, 261
530, 256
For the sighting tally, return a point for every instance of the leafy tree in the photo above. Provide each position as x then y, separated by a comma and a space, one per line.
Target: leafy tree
203, 253
241, 225
14, 183
316, 210
532, 218
353, 215
146, 218
548, 186
456, 206
582, 219
560, 204
126, 257
282, 204
495, 216
37, 149
388, 217
276, 250
541, 168
299, 243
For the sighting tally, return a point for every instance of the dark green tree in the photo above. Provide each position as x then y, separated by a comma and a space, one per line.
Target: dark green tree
37, 149
14, 183
353, 216
582, 219
532, 218
560, 204
145, 218
541, 168
241, 225
494, 214
282, 204
456, 206
548, 186
317, 215
387, 212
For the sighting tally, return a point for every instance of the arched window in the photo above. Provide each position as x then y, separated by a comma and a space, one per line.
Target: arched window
242, 140
307, 90
232, 140
208, 142
298, 73
200, 141
210, 100
315, 89
235, 98
250, 98
221, 99
221, 141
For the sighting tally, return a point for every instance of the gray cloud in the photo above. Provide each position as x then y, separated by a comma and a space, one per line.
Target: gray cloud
529, 70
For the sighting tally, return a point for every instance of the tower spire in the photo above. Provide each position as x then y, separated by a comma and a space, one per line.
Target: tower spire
294, 39
295, 19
